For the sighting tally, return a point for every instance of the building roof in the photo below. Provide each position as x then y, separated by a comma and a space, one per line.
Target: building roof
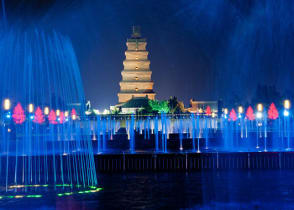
136, 102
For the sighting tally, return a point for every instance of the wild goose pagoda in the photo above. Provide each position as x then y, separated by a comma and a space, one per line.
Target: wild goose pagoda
136, 81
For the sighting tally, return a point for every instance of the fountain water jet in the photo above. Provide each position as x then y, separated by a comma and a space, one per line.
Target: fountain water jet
39, 72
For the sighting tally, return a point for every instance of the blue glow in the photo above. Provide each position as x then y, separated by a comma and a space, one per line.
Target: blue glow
8, 115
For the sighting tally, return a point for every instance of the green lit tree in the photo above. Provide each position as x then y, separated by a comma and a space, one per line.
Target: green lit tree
159, 106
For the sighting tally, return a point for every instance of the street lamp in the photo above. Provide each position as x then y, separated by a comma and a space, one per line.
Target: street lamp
240, 111
259, 107
286, 113
57, 112
287, 104
259, 111
6, 104
66, 113
46, 110
226, 111
31, 108
74, 117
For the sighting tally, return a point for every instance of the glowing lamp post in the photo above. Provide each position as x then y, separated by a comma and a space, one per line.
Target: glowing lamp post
58, 114
240, 111
226, 111
259, 111
46, 110
259, 107
73, 117
287, 106
31, 108
259, 124
66, 113
6, 104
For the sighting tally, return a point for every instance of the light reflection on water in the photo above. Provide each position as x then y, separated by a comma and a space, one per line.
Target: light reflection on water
205, 190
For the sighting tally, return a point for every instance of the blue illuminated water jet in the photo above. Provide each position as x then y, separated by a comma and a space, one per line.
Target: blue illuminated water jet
42, 138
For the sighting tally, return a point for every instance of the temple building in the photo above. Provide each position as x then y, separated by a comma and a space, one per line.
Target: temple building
136, 75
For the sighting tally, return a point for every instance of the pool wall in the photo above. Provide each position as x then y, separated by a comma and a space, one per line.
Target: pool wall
193, 161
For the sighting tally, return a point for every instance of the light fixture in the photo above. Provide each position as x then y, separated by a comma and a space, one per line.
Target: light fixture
6, 104
286, 113
287, 104
259, 107
226, 111
46, 110
57, 112
259, 115
66, 113
73, 117
31, 108
240, 109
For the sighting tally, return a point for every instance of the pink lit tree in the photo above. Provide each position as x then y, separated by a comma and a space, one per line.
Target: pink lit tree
52, 117
18, 114
61, 118
39, 117
233, 115
250, 113
272, 112
208, 110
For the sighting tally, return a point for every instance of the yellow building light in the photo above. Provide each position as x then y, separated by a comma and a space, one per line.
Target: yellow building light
57, 112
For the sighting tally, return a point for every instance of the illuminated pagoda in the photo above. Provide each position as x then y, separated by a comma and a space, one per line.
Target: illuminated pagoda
136, 75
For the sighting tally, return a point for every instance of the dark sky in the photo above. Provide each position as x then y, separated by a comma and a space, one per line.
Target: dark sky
204, 50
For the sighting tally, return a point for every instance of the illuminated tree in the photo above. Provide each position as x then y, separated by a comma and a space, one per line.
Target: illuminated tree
52, 117
233, 115
273, 112
18, 114
208, 110
61, 118
39, 117
250, 113
175, 106
160, 107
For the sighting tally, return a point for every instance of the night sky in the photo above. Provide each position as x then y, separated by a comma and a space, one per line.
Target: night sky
204, 50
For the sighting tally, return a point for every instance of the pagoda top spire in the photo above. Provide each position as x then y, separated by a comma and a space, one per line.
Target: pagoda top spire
136, 32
